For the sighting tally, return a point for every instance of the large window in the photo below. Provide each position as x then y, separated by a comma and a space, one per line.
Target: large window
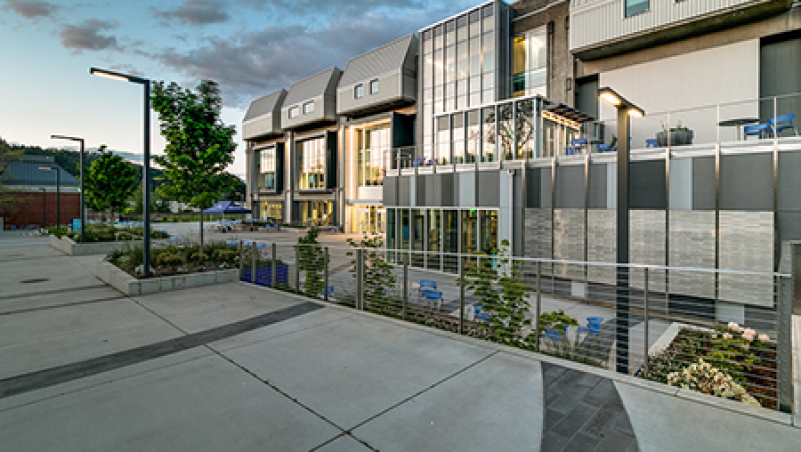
373, 145
308, 107
311, 154
530, 63
272, 210
374, 86
358, 91
317, 213
294, 112
266, 169
634, 7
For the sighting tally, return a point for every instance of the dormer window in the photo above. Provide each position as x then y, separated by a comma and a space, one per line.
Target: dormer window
374, 86
294, 112
358, 91
308, 107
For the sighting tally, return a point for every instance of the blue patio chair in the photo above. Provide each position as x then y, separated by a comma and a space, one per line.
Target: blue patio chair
478, 315
428, 284
782, 122
330, 292
758, 130
603, 147
651, 143
593, 326
13, 226
433, 296
554, 334
578, 145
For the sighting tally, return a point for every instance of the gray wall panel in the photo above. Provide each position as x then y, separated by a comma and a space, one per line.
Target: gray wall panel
681, 184
405, 191
598, 181
601, 244
704, 183
390, 193
789, 180
647, 246
546, 188
789, 226
692, 244
746, 243
489, 186
746, 182
570, 187
467, 189
648, 185
568, 242
533, 188
430, 194
444, 186
537, 233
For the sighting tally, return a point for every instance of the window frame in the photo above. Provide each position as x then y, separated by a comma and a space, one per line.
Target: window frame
358, 91
373, 83
310, 110
293, 112
628, 12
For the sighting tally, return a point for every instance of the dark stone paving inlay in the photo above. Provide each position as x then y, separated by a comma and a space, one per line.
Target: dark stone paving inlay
41, 379
583, 412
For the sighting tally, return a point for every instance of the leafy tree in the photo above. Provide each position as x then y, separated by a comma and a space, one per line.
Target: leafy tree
237, 191
109, 183
378, 278
199, 145
502, 295
311, 261
8, 200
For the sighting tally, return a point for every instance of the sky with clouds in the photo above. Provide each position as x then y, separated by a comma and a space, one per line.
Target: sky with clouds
250, 47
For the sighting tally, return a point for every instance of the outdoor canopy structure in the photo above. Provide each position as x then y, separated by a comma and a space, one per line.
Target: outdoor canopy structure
225, 207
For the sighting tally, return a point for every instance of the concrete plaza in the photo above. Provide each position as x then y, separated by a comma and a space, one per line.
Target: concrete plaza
239, 367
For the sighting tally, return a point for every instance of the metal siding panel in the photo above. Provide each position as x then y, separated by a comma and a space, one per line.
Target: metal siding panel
757, 194
570, 187
704, 183
789, 182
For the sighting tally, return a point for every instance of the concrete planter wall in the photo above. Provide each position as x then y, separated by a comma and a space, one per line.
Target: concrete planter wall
67, 246
127, 284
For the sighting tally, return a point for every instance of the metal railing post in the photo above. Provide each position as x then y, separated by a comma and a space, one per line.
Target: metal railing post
360, 279
297, 268
645, 323
274, 258
253, 265
405, 297
461, 296
784, 342
538, 307
241, 261
325, 273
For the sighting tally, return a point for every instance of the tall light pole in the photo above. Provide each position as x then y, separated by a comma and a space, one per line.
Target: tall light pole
57, 169
625, 109
146, 168
79, 140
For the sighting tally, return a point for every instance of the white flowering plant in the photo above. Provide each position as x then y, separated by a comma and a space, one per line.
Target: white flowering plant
702, 377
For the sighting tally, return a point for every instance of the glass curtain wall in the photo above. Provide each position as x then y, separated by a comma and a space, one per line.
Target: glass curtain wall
434, 258
443, 140
317, 213
418, 236
457, 122
488, 152
525, 130
272, 210
266, 169
530, 63
312, 164
458, 69
473, 135
373, 145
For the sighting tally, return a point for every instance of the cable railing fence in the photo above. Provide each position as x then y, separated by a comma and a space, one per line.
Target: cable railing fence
654, 322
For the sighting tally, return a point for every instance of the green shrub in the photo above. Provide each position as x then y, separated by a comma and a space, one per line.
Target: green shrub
169, 259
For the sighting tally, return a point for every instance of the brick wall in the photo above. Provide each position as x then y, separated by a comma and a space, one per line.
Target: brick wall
29, 210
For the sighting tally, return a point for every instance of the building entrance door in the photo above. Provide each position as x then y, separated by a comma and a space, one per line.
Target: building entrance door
371, 220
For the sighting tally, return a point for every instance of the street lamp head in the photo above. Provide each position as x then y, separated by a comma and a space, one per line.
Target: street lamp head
102, 148
117, 76
614, 99
46, 168
65, 137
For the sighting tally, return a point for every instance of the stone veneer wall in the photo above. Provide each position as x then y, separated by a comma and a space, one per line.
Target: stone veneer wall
746, 243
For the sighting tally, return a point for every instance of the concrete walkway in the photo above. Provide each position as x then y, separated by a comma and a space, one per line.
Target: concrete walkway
237, 368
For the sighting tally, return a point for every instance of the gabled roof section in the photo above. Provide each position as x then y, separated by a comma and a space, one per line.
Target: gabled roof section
28, 173
312, 86
382, 59
270, 103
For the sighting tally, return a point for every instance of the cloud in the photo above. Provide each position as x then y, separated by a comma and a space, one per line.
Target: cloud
248, 65
31, 9
196, 12
325, 7
88, 36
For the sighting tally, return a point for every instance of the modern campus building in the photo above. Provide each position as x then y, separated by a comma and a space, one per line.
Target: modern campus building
511, 143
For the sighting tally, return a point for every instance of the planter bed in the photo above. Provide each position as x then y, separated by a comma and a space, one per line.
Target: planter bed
127, 284
71, 248
751, 363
